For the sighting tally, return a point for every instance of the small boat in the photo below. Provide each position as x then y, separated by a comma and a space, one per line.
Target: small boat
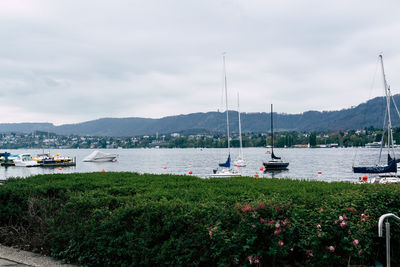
391, 166
98, 156
224, 169
373, 145
275, 163
240, 162
25, 160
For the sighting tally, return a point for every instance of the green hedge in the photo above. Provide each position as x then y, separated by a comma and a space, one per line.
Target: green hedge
123, 219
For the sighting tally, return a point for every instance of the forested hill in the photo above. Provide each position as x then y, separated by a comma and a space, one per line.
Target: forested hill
366, 114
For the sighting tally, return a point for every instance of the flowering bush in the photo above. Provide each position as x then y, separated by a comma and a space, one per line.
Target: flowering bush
120, 219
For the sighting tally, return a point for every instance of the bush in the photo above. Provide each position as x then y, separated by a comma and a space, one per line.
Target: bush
121, 219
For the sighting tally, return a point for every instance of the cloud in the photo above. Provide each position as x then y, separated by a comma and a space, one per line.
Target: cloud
71, 61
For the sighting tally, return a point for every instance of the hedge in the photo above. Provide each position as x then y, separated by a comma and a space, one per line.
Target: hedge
124, 219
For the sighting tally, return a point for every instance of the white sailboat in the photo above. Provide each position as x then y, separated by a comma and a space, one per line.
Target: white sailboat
240, 162
224, 169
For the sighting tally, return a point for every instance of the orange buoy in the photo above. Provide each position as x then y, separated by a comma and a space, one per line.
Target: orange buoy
261, 168
365, 178
256, 175
103, 170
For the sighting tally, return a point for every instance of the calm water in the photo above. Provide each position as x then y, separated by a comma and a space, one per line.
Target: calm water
334, 163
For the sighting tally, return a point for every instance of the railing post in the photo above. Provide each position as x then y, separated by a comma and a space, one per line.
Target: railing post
385, 218
387, 225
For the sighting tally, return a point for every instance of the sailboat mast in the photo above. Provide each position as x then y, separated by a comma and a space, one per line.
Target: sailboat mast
226, 103
240, 131
387, 92
272, 133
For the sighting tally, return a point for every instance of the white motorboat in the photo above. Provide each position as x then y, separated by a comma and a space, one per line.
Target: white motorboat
98, 156
225, 172
25, 160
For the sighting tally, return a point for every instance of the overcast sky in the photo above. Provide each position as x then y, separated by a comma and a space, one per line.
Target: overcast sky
69, 61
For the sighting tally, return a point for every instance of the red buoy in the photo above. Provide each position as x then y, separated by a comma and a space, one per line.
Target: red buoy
365, 178
190, 172
261, 168
256, 175
319, 172
60, 168
164, 168
103, 170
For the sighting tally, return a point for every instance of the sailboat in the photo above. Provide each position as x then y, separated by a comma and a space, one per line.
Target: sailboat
240, 162
224, 169
391, 166
275, 163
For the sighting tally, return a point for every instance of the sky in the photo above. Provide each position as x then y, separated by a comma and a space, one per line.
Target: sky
70, 61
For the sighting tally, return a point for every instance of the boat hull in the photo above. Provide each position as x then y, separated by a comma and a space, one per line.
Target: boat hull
275, 165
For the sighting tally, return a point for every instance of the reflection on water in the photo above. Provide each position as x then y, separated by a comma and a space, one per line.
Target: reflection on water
326, 164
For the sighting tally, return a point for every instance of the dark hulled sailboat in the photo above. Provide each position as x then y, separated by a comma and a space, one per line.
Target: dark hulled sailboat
275, 163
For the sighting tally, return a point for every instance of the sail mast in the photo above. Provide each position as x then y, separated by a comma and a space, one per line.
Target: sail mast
272, 134
240, 132
387, 92
226, 103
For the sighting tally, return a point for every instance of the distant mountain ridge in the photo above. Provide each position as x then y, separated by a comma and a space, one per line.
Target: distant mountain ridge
364, 115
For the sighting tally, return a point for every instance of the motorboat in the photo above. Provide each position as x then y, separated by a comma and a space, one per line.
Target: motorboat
25, 160
225, 173
99, 156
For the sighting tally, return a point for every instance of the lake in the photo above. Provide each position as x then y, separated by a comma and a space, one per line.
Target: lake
335, 164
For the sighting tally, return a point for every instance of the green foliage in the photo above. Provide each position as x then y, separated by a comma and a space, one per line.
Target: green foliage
121, 219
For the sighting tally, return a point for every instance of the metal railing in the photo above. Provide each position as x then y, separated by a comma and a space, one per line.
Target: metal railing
387, 228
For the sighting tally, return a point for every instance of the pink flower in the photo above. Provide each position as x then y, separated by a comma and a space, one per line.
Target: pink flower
254, 226
343, 224
250, 258
277, 225
340, 218
236, 260
335, 222
280, 243
363, 215
253, 215
309, 253
270, 222
344, 216
277, 232
360, 252
247, 208
262, 220
319, 234
256, 259
331, 249
210, 233
363, 219
355, 242
318, 226
285, 222
262, 206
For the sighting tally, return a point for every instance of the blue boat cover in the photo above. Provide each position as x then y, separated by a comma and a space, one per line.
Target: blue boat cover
391, 167
227, 164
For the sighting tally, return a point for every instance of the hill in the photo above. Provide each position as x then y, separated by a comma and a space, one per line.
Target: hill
364, 115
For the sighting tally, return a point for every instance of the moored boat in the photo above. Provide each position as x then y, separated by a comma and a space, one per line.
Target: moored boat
275, 163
